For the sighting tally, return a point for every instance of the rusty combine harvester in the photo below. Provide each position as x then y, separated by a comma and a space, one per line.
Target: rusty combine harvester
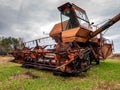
76, 44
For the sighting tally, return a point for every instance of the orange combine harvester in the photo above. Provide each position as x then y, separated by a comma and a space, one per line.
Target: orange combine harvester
76, 44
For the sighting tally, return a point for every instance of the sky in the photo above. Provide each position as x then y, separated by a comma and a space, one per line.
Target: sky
32, 19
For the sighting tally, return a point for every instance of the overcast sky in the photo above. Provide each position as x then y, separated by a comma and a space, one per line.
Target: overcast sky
30, 18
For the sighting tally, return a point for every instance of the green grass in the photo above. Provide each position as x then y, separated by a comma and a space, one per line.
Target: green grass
105, 76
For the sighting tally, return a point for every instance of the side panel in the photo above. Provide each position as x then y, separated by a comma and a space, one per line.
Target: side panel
56, 29
76, 34
106, 50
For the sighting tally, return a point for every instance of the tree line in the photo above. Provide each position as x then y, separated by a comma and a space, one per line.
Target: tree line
7, 44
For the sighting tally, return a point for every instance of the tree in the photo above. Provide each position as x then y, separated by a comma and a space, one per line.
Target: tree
7, 44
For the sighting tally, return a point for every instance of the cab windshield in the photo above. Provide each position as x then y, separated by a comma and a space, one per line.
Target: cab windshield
72, 18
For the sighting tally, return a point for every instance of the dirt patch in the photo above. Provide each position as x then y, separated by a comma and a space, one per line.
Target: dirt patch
27, 75
115, 56
4, 59
107, 86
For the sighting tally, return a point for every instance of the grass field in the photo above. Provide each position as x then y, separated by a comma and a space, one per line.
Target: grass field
105, 76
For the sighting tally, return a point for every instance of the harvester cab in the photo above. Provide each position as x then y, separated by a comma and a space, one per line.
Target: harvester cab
72, 16
74, 25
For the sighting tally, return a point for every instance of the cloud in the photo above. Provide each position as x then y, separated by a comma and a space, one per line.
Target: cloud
113, 37
29, 19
